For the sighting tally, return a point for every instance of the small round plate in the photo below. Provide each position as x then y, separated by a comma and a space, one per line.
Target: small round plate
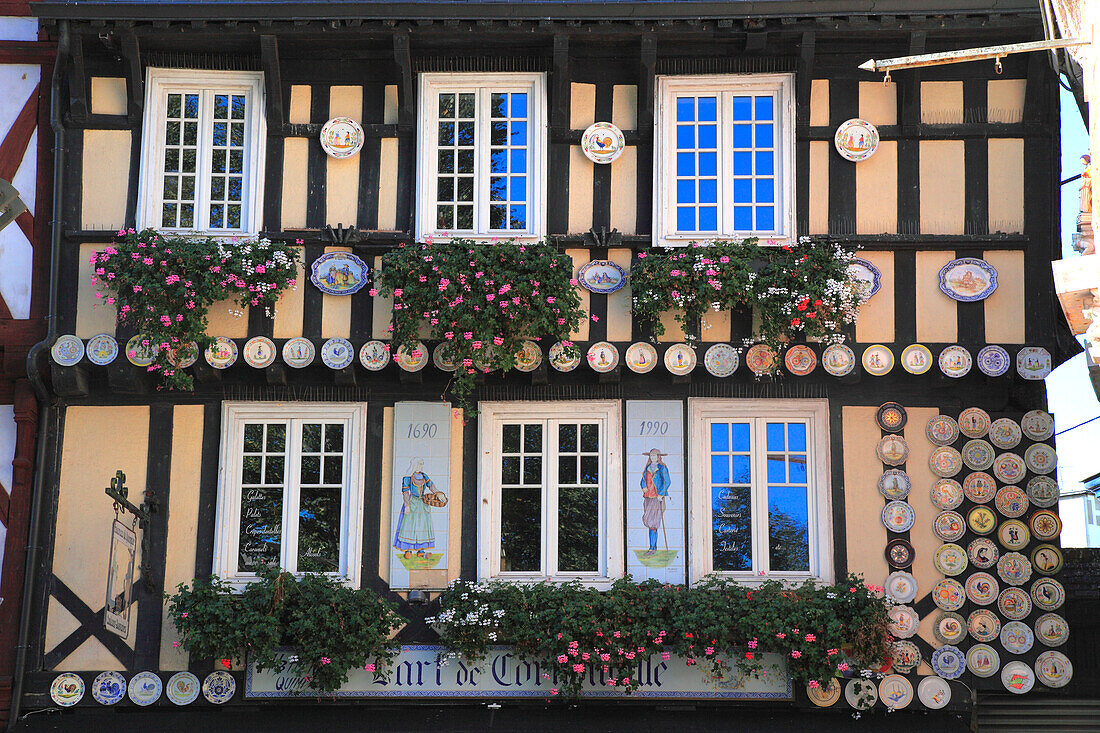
184, 355
950, 628
978, 455
934, 692
979, 487
1014, 603
982, 660
856, 140
141, 351
948, 662
800, 360
906, 655
955, 361
826, 696
1013, 534
1005, 433
1040, 458
1042, 491
1053, 669
861, 694
1017, 677
410, 359
838, 360
67, 689
1037, 425
891, 417
221, 353
102, 349
529, 357
374, 355
945, 461
1014, 568
761, 359
299, 352
982, 589
1009, 468
1017, 637
1047, 560
899, 553
901, 586
219, 687
902, 621
441, 357
259, 352
1011, 501
946, 493
68, 351
894, 484
338, 353
1045, 525
145, 688
983, 553
602, 142
1048, 594
341, 137
1033, 362
1051, 629
983, 625
720, 360
981, 520
974, 422
916, 359
895, 691
562, 359
183, 688
993, 361
641, 358
680, 359
949, 594
892, 450
878, 360
603, 357
108, 688
942, 430
949, 526
950, 559
898, 516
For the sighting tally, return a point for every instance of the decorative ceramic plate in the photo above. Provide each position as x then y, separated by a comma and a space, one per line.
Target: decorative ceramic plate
916, 359
1033, 362
982, 589
601, 276
826, 696
1037, 425
680, 359
949, 526
934, 692
441, 357
981, 520
892, 450
183, 688
604, 357
1017, 677
410, 359
950, 559
1009, 468
259, 352
218, 687
102, 350
140, 350
1045, 525
299, 352
894, 484
602, 142
1048, 594
800, 360
946, 493
562, 359
856, 140
948, 662
955, 361
983, 660
1051, 629
341, 137
899, 553
878, 360
983, 625
902, 621
978, 454
760, 359
907, 656
983, 553
895, 691
950, 628
945, 461
374, 355
1014, 568
1011, 501
68, 351
949, 594
1042, 491
145, 688
1017, 637
898, 516
891, 417
221, 353
529, 357
108, 688
942, 430
1053, 669
1005, 433
838, 360
968, 279
67, 689
979, 487
974, 422
1040, 458
861, 694
721, 360
993, 361
184, 355
1047, 560
1013, 534
641, 358
901, 586
339, 273
1014, 603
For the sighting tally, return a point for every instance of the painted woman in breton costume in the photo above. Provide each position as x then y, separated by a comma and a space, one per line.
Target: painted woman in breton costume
414, 526
655, 483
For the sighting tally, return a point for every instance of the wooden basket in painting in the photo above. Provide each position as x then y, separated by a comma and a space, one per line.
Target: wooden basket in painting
434, 498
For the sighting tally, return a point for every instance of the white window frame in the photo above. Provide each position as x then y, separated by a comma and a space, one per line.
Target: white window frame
228, 522
609, 414
701, 412
159, 84
664, 169
427, 160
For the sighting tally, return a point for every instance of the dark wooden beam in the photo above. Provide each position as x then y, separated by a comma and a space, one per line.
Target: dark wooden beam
406, 114
273, 85
78, 87
135, 84
559, 112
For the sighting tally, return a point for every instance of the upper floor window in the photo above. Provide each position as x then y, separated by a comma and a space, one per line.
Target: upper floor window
202, 151
725, 164
482, 146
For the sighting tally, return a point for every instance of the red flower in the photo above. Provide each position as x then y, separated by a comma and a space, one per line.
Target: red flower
227, 663
796, 321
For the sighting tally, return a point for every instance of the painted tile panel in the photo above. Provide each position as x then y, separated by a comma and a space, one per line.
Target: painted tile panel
655, 490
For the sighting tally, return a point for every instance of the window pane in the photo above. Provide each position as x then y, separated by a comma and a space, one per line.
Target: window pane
590, 438
532, 470
334, 438
578, 529
567, 438
273, 469
685, 109
764, 108
276, 438
334, 469
532, 438
446, 106
319, 530
720, 469
765, 218
261, 528
796, 436
776, 440
521, 530
788, 529
732, 528
740, 431
517, 219
567, 469
742, 163
708, 218
311, 469
777, 469
509, 470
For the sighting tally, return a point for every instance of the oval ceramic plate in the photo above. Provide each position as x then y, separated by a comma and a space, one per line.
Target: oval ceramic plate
949, 526
891, 417
974, 422
102, 349
182, 688
1014, 603
982, 589
983, 553
981, 520
1051, 629
950, 628
108, 688
1037, 425
680, 359
902, 621
1017, 677
145, 688
898, 516
878, 360
892, 450
945, 461
800, 360
601, 276
339, 273
1005, 433
218, 687
907, 656
982, 660
721, 360
978, 455
140, 350
67, 689
946, 493
68, 351
1009, 468
1048, 594
1033, 362
916, 359
826, 696
1013, 534
299, 352
1014, 568
856, 139
1053, 669
983, 625
899, 553
968, 279
942, 430
994, 361
338, 353
950, 559
642, 357
341, 137
1042, 491
1047, 560
441, 357
1045, 525
374, 355
861, 694
1017, 637
894, 484
901, 586
838, 360
410, 359
934, 692
955, 361
895, 691
221, 353
1011, 501
979, 487
761, 359
948, 662
949, 594
529, 357
603, 357
564, 360
1040, 458
259, 352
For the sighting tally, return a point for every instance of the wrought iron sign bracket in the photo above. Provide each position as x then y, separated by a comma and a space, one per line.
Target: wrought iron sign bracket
144, 515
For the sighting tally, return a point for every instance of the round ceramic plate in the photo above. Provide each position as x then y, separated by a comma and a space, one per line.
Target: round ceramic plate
529, 357
982, 589
67, 689
1011, 501
1013, 534
950, 628
1045, 525
800, 360
604, 357
826, 696
102, 349
1040, 458
945, 461
218, 687
916, 359
299, 352
1017, 677
184, 355
978, 455
760, 359
899, 553
955, 361
642, 357
720, 360
140, 350
338, 353
838, 360
1014, 568
950, 559
680, 359
902, 621
1014, 603
892, 450
983, 660
983, 625
901, 586
1051, 629
946, 493
68, 351
561, 358
1017, 637
974, 422
891, 417
907, 656
1047, 560
861, 694
948, 662
108, 688
182, 688
1009, 468
949, 594
410, 359
1053, 669
1042, 491
1033, 362
341, 137
374, 355
979, 487
895, 691
856, 140
949, 526
221, 353
259, 352
145, 688
878, 360
1048, 594
898, 516
981, 520
1037, 425
441, 357
894, 484
993, 361
983, 553
1005, 433
934, 692
942, 430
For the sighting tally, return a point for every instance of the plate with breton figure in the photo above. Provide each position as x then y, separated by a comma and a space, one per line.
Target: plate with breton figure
1013, 534
1037, 425
894, 484
892, 450
974, 422
1042, 491
979, 487
838, 359
983, 553
955, 361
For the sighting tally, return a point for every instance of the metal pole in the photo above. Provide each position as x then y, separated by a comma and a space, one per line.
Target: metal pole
967, 54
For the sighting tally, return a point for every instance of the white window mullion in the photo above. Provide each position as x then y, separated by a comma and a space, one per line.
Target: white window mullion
293, 449
550, 498
725, 162
481, 161
203, 158
233, 469
601, 498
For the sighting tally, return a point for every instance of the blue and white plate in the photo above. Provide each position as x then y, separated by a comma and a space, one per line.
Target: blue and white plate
219, 687
948, 662
993, 361
68, 351
108, 688
375, 355
145, 688
102, 349
968, 279
337, 353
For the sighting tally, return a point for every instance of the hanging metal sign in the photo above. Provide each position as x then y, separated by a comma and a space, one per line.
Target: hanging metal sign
120, 577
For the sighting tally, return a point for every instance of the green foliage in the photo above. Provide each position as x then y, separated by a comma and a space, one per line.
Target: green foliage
163, 286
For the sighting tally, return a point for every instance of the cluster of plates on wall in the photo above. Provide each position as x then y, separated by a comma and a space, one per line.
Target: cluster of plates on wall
894, 691
1032, 362
144, 688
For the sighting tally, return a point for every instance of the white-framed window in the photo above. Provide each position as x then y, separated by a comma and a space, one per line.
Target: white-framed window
482, 152
760, 499
725, 161
551, 497
291, 489
202, 156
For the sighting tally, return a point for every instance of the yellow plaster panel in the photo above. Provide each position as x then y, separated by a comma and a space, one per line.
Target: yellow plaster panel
1005, 100
876, 317
387, 480
382, 314
580, 257
389, 105
342, 175
301, 96
336, 309
819, 187
1004, 310
674, 332
93, 315
103, 197
863, 504
819, 102
926, 632
289, 308
387, 184
580, 191
59, 624
716, 326
624, 191
618, 303
937, 315
223, 319
1006, 185
942, 186
454, 515
878, 104
582, 105
92, 655
295, 186
624, 107
924, 540
108, 95
941, 102
877, 191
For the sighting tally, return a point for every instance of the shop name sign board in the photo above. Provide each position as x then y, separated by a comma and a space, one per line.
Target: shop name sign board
416, 673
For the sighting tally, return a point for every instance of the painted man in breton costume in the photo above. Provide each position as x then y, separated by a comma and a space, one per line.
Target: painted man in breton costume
414, 525
654, 484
